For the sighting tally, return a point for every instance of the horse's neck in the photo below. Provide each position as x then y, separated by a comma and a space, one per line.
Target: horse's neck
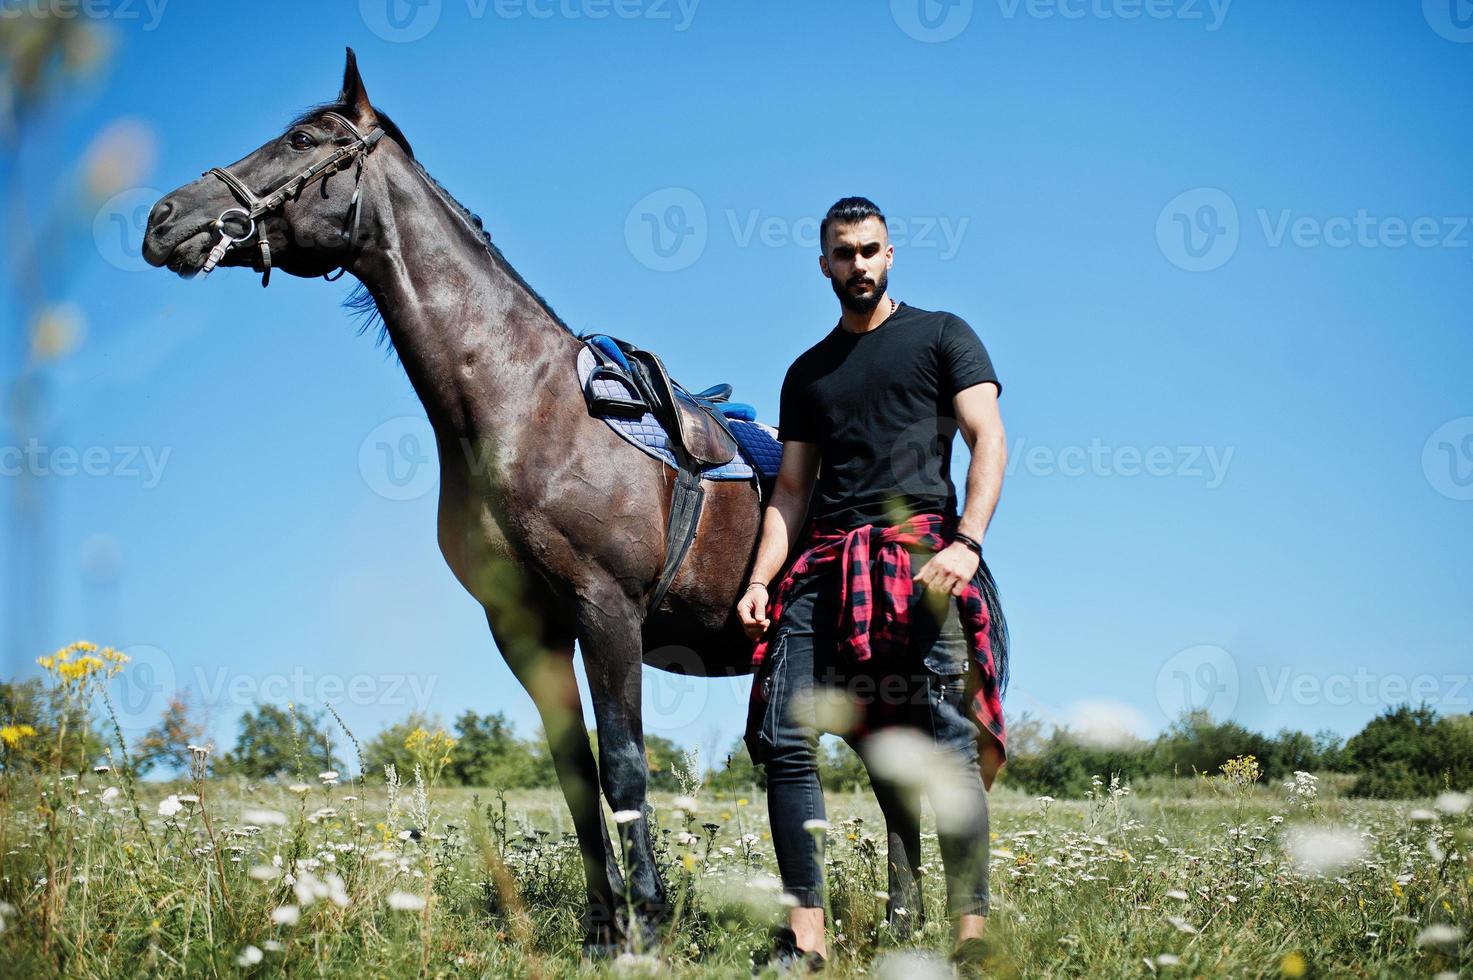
471, 337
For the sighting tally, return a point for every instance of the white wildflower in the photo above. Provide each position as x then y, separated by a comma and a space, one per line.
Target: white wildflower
286, 915
249, 956
1454, 803
1182, 925
1324, 850
264, 817
1440, 934
626, 816
405, 902
169, 806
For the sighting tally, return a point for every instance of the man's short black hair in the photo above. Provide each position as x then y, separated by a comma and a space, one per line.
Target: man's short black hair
847, 210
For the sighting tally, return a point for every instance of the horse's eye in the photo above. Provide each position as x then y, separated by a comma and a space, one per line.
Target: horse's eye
301, 141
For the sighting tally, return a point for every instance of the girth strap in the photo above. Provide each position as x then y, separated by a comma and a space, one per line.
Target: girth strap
685, 513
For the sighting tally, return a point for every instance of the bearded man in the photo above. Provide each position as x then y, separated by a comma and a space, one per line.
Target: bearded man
884, 619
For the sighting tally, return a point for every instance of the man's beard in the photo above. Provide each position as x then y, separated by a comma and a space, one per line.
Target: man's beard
860, 304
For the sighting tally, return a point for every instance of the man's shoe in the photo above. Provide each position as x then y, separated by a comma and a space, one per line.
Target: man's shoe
785, 957
971, 956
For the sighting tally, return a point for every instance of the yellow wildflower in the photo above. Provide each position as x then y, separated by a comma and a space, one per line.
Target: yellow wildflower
1242, 771
12, 734
430, 749
1293, 965
93, 661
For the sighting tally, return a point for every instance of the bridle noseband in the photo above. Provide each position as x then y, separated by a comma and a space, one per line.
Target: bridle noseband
254, 207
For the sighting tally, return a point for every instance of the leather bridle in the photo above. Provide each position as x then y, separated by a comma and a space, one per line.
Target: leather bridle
254, 207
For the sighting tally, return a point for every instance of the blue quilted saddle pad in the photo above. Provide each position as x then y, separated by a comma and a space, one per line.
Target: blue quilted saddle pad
760, 452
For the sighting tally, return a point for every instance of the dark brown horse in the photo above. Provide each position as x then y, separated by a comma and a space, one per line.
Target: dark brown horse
551, 521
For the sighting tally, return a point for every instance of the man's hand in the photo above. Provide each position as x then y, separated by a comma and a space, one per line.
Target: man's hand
752, 610
951, 569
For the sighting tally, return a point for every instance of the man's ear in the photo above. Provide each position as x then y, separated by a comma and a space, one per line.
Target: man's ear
823, 263
353, 93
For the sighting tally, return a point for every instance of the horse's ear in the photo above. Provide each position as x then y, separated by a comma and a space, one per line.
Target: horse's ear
353, 93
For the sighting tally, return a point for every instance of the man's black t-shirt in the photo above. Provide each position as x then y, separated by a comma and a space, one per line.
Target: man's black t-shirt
878, 406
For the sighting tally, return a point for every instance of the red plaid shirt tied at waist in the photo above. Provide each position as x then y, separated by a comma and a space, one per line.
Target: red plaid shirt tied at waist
876, 589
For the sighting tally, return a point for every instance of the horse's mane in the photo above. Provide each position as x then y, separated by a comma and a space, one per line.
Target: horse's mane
360, 301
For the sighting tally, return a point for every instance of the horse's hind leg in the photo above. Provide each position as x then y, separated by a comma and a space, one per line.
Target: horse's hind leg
546, 671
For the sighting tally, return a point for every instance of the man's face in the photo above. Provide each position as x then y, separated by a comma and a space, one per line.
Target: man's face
857, 263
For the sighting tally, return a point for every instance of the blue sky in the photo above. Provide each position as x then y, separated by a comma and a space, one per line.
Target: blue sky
1231, 241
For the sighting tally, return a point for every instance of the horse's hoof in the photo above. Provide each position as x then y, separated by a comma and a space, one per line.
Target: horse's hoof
601, 942
644, 933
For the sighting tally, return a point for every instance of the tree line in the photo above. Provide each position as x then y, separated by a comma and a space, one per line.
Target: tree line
1404, 752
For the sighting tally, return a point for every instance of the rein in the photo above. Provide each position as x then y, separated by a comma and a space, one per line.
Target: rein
254, 207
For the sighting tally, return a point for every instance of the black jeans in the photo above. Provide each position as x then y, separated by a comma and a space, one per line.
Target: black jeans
931, 686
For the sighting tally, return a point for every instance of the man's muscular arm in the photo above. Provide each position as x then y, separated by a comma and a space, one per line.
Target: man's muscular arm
781, 522
981, 424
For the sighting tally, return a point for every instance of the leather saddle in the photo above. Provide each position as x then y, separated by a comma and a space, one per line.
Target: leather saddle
695, 421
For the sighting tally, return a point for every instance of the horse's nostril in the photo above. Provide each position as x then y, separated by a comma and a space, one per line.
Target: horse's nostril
160, 213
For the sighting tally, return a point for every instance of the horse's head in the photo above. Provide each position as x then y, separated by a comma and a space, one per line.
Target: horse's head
284, 195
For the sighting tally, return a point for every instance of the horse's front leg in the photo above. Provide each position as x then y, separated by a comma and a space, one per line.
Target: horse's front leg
609, 633
547, 674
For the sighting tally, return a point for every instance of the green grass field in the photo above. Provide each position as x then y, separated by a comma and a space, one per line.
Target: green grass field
1225, 877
